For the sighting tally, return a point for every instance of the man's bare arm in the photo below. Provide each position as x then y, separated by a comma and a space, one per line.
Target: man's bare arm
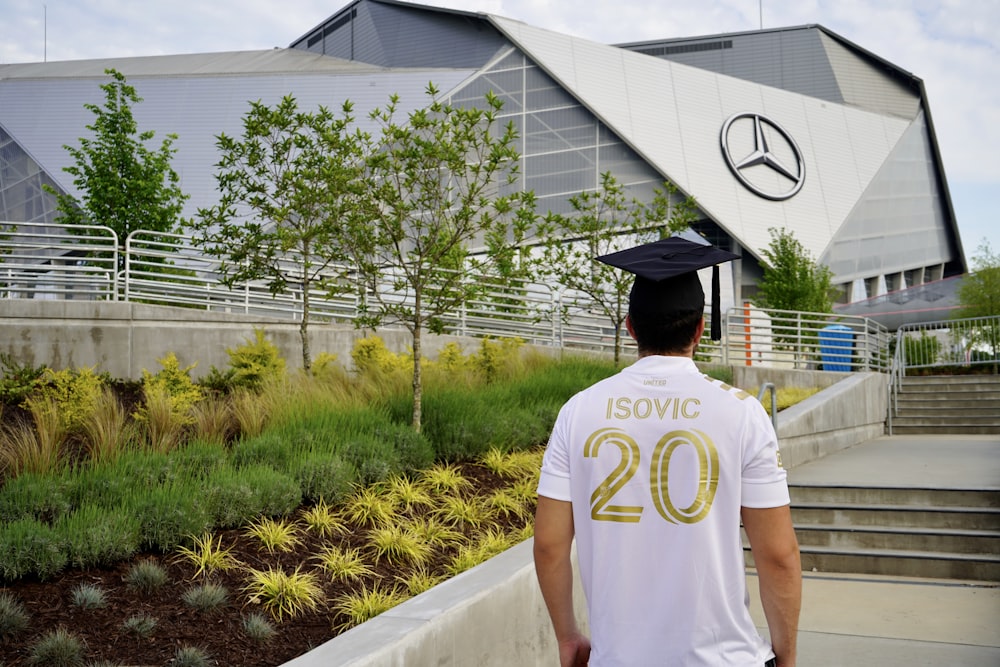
779, 570
554, 569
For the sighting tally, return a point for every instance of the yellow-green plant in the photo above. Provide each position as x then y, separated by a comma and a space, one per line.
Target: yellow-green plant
407, 493
343, 564
498, 359
174, 382
467, 557
75, 391
370, 355
398, 545
525, 490
463, 512
256, 363
786, 396
369, 507
366, 604
274, 535
444, 478
510, 464
451, 359
207, 556
419, 580
435, 532
493, 541
504, 503
284, 594
323, 521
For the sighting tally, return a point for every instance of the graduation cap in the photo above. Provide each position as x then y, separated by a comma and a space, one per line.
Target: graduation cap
666, 282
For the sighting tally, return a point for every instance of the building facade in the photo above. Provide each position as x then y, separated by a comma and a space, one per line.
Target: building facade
795, 127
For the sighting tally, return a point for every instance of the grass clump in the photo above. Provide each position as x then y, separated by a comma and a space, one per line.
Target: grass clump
284, 594
371, 508
140, 625
343, 564
13, 616
89, 596
190, 656
321, 520
207, 556
206, 597
58, 648
444, 478
366, 604
146, 576
274, 535
398, 545
257, 627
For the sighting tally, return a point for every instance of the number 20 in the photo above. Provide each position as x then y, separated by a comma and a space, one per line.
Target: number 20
601, 507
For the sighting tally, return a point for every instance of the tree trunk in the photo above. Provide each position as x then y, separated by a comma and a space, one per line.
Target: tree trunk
304, 328
417, 379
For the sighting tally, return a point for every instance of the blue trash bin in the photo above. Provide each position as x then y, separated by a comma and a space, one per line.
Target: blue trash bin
836, 342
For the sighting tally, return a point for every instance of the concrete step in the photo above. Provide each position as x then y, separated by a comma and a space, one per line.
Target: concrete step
901, 516
944, 429
846, 495
898, 563
939, 540
968, 418
949, 401
925, 385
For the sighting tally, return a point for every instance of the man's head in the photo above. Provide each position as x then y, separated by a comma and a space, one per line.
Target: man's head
667, 302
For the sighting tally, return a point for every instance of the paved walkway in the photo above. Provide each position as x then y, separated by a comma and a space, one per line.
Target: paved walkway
860, 620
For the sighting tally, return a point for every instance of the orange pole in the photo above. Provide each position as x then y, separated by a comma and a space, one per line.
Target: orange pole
746, 330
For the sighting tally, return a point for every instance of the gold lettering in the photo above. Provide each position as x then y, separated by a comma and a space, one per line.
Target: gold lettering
642, 408
690, 415
623, 408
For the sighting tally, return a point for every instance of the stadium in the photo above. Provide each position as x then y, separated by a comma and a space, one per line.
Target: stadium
794, 127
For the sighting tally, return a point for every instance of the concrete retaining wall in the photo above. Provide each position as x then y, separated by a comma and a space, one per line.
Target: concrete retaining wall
122, 339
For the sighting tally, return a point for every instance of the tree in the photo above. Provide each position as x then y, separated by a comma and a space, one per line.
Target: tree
792, 280
437, 180
604, 221
288, 184
124, 184
979, 296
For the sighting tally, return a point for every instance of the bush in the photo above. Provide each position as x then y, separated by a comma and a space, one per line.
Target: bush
34, 496
174, 383
255, 363
98, 537
28, 547
370, 355
168, 513
323, 475
233, 497
19, 380
76, 392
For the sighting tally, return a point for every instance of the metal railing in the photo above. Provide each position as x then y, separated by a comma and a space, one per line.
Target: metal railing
47, 261
969, 344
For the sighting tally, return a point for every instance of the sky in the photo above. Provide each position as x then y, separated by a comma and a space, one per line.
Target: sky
952, 45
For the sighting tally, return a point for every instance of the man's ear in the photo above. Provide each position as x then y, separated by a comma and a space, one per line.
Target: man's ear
628, 326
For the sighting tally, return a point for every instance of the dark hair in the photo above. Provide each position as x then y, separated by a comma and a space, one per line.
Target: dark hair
656, 334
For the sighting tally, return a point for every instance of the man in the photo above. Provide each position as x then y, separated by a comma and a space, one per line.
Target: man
651, 471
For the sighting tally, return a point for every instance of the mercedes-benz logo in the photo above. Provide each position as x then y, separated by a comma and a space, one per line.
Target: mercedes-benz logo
769, 162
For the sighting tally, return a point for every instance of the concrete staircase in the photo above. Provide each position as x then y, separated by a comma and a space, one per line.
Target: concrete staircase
952, 404
932, 533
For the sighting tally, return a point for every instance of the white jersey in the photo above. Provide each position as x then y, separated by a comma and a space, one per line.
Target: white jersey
657, 461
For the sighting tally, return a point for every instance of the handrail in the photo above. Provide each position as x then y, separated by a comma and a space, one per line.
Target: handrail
774, 402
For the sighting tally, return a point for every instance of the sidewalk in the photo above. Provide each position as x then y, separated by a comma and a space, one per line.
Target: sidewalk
905, 622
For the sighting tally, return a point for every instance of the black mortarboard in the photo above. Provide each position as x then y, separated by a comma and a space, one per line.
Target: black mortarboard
667, 281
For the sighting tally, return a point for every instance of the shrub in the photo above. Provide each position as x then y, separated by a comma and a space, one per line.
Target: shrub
168, 513
97, 536
371, 356
58, 648
235, 496
322, 521
75, 391
274, 535
18, 381
13, 616
343, 564
374, 458
321, 475
255, 363
28, 547
497, 360
175, 383
34, 496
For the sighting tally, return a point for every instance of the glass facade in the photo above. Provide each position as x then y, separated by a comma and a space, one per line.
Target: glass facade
22, 198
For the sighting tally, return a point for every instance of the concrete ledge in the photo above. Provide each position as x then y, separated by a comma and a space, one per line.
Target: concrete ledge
840, 416
490, 616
